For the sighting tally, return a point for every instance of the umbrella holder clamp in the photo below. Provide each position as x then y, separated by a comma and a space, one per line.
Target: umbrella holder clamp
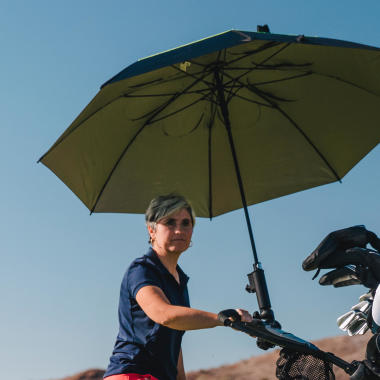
257, 284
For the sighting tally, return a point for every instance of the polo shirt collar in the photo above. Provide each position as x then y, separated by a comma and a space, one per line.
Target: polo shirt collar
183, 278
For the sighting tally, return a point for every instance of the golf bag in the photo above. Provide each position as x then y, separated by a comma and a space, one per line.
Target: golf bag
345, 252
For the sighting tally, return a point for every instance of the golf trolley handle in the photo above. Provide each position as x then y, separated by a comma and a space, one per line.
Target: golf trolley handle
278, 337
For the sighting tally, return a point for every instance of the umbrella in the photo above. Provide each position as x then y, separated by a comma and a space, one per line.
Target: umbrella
228, 121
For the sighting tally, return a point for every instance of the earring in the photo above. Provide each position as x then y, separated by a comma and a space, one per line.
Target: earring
191, 243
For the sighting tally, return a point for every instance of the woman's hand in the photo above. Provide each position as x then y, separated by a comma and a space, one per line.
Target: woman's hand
244, 315
234, 315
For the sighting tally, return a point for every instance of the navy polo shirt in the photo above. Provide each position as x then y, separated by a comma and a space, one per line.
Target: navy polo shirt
143, 346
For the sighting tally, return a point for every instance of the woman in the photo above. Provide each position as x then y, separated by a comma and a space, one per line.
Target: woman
154, 309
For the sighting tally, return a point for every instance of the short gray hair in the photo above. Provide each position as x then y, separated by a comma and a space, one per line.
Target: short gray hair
164, 205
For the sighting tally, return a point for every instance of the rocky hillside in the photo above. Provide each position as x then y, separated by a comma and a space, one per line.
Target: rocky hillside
262, 367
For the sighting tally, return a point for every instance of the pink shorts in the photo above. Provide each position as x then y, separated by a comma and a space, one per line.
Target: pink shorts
130, 376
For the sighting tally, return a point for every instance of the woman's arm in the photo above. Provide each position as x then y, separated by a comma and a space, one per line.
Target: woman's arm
180, 367
158, 308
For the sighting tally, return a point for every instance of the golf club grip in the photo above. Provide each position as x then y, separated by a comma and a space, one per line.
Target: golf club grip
225, 315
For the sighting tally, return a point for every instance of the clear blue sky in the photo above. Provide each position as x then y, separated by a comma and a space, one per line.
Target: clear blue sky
60, 269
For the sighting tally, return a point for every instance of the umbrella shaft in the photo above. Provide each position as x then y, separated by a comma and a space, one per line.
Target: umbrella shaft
258, 284
224, 109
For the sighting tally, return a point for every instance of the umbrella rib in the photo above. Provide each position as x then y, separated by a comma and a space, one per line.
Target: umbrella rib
206, 72
191, 131
267, 97
306, 137
65, 136
309, 141
275, 53
205, 96
346, 82
263, 83
250, 100
178, 110
162, 95
210, 204
267, 46
185, 75
122, 155
234, 80
211, 67
155, 82
160, 82
138, 85
234, 89
184, 92
265, 60
270, 95
258, 92
174, 112
285, 79
241, 55
279, 67
157, 111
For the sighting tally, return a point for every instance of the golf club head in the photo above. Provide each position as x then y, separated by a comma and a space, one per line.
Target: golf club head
366, 297
344, 320
354, 322
362, 307
358, 326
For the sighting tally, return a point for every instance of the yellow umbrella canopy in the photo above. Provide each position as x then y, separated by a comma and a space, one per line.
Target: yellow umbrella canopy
229, 121
300, 112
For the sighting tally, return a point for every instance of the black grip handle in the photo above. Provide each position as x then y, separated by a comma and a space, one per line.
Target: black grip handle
258, 284
261, 289
225, 315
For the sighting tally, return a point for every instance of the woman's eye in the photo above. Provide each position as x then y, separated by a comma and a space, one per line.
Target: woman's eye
173, 222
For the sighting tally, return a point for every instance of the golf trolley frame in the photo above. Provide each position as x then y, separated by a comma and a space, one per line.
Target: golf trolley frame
272, 334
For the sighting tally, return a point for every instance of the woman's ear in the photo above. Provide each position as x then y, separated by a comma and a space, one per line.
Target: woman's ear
151, 233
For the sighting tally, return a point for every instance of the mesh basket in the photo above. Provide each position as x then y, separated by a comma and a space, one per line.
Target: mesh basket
295, 365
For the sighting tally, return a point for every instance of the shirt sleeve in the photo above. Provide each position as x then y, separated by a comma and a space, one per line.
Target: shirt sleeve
141, 274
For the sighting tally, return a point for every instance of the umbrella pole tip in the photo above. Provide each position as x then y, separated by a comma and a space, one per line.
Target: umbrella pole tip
263, 28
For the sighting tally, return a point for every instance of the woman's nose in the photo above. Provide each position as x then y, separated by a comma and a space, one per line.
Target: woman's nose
178, 228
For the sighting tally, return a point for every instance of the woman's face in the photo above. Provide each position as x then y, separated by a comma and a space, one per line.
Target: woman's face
172, 233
